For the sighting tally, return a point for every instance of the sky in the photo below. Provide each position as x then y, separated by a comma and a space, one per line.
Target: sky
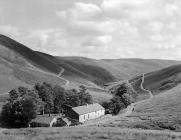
96, 28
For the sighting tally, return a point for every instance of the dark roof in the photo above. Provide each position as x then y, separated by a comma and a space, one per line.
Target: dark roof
87, 108
44, 119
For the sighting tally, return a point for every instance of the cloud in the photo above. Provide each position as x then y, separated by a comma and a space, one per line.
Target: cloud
80, 11
129, 8
85, 19
149, 28
171, 9
139, 9
117, 4
9, 30
98, 41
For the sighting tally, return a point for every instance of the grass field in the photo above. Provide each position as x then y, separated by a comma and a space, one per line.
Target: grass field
87, 133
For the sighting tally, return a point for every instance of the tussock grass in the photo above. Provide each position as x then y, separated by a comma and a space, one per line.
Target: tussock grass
82, 133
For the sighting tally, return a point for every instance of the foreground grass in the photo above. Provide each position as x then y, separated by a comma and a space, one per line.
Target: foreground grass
84, 133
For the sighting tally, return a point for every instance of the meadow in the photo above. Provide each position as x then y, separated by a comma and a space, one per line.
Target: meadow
86, 133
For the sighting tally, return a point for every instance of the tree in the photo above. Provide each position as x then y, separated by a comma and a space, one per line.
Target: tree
59, 99
122, 89
84, 96
116, 105
106, 105
72, 98
19, 109
45, 92
127, 99
125, 92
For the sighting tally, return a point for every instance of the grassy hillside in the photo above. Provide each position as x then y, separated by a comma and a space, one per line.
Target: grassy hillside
120, 69
79, 69
158, 81
89, 68
160, 113
128, 68
15, 52
163, 79
12, 75
18, 60
163, 111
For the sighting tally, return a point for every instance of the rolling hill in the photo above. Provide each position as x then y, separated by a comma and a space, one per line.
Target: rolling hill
120, 69
21, 65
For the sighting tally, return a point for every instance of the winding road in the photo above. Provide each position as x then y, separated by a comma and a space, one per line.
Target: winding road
131, 107
128, 111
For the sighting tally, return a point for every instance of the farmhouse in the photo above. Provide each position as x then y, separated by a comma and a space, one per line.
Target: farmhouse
86, 112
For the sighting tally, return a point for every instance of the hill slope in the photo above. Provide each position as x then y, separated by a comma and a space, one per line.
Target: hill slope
21, 66
113, 70
124, 69
158, 81
160, 112
23, 63
17, 53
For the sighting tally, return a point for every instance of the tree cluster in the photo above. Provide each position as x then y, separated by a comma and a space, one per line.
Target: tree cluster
20, 108
24, 104
122, 98
55, 98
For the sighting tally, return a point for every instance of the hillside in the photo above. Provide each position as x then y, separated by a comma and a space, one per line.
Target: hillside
26, 67
120, 69
124, 69
17, 53
13, 75
162, 112
158, 81
21, 66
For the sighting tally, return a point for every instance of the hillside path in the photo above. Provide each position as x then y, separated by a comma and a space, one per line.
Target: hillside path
59, 75
142, 87
67, 82
128, 111
131, 107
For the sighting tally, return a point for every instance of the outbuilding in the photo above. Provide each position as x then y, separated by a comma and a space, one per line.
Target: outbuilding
49, 121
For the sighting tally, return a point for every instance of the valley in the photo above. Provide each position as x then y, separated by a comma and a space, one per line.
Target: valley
156, 83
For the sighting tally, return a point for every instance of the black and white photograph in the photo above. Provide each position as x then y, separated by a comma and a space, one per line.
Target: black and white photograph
90, 69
